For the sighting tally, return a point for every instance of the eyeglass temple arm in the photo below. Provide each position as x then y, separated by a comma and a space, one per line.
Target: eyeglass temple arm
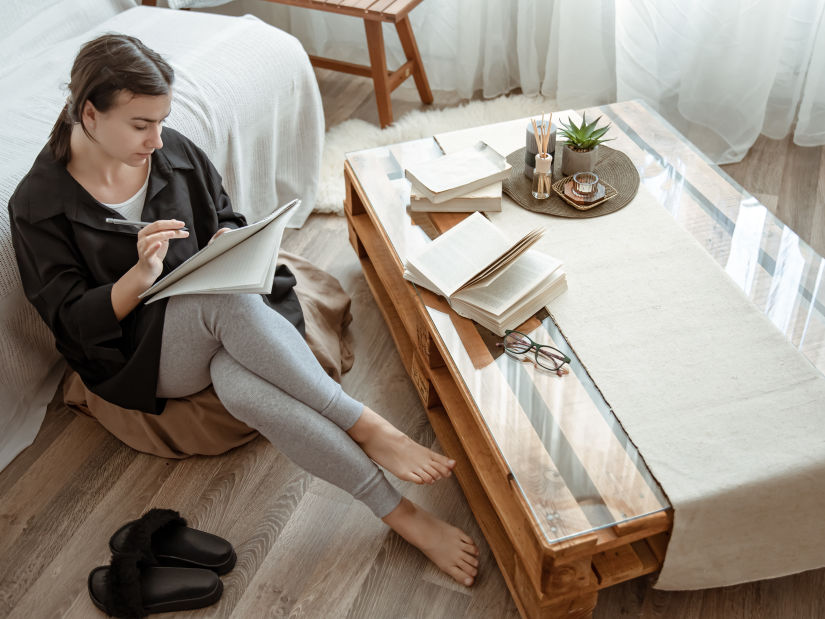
547, 353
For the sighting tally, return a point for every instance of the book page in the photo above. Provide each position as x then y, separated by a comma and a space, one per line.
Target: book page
511, 284
218, 247
493, 190
457, 255
460, 204
540, 297
246, 267
543, 294
522, 245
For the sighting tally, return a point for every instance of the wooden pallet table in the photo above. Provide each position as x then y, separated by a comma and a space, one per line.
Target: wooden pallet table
564, 501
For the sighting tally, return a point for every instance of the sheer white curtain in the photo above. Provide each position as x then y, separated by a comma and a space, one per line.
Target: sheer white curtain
724, 72
721, 71
492, 46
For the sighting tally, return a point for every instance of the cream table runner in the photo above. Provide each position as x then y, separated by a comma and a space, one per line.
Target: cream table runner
728, 415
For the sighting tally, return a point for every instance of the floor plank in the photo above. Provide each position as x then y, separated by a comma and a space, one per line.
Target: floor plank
55, 422
790, 181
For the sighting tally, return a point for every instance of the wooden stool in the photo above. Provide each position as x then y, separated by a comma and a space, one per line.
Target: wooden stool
374, 12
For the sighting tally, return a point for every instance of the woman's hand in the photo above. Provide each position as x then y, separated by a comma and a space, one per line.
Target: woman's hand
217, 234
152, 245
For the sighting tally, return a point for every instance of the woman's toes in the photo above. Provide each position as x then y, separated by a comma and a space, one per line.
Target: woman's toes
469, 546
444, 460
469, 568
426, 478
460, 576
443, 469
434, 473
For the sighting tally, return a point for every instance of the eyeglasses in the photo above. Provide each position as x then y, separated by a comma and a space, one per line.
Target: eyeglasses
547, 357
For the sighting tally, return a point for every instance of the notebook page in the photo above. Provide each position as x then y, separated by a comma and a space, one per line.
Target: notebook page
244, 268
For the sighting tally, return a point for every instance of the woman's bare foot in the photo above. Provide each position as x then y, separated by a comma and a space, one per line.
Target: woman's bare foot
452, 550
397, 452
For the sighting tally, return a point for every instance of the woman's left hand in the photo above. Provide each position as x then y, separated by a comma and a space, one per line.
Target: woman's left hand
217, 234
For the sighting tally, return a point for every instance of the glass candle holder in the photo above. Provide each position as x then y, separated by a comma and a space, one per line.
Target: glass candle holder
585, 183
543, 176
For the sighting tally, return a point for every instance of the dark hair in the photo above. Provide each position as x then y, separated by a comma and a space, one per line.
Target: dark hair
102, 69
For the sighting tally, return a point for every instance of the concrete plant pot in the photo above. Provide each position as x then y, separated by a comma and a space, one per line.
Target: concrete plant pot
573, 161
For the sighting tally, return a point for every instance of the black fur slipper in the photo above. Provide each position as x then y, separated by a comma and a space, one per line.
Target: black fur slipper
161, 537
129, 589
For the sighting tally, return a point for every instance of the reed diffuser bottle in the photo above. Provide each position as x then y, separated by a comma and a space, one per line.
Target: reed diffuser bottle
543, 174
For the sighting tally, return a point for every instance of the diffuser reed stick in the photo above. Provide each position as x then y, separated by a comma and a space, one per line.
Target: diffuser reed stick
536, 134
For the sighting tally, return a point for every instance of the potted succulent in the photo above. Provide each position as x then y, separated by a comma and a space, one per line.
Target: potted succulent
581, 152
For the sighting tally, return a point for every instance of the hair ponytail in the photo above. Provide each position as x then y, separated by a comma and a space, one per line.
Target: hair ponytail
103, 68
61, 136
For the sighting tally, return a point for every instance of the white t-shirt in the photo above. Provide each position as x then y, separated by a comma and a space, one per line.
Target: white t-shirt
133, 207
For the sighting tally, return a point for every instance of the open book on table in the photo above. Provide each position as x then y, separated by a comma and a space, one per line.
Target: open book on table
241, 260
487, 277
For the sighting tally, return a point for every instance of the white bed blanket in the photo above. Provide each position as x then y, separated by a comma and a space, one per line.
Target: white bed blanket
244, 92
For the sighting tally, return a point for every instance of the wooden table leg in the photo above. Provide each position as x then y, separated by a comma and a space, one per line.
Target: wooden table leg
405, 34
378, 63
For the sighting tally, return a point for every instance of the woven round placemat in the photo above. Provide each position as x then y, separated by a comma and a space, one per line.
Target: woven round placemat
614, 167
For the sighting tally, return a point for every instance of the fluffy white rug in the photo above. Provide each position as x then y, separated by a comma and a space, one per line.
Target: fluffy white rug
357, 134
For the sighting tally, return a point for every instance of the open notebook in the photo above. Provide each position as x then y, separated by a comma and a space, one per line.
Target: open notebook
241, 260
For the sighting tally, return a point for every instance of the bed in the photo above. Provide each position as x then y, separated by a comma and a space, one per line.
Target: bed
245, 92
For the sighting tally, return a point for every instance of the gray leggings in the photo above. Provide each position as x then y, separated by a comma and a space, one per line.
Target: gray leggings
266, 376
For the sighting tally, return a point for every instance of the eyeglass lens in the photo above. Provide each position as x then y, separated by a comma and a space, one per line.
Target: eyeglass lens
517, 343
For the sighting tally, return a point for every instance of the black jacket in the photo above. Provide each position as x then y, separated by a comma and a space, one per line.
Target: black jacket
69, 258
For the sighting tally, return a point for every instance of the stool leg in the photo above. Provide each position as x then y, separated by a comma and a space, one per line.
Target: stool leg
378, 63
405, 34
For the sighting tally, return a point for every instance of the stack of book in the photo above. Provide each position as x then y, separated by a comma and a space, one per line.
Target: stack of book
461, 182
485, 276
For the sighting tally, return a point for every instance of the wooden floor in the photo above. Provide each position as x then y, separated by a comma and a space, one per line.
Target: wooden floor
306, 549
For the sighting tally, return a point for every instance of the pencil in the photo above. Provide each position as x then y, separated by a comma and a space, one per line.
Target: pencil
136, 224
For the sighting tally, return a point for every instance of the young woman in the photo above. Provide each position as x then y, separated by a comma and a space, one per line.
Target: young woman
107, 156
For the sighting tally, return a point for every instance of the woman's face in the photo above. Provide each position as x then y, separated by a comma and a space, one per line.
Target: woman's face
130, 130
